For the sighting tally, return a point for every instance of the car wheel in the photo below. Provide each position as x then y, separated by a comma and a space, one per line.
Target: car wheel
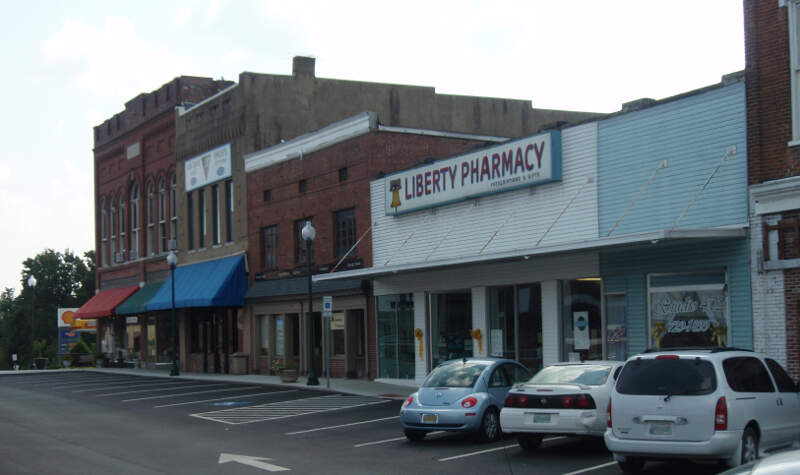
632, 465
749, 445
414, 435
490, 425
529, 442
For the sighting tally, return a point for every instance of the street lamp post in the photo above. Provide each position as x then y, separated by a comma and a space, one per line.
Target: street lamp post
308, 234
32, 285
172, 260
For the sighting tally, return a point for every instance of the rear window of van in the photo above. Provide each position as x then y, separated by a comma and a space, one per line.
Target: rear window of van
674, 377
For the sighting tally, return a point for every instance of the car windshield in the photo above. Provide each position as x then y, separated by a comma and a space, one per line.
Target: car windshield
667, 376
455, 375
590, 375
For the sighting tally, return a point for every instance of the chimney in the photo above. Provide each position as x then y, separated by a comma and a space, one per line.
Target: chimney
303, 66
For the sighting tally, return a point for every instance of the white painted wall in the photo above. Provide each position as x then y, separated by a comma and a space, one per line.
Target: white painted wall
553, 213
551, 323
480, 320
420, 310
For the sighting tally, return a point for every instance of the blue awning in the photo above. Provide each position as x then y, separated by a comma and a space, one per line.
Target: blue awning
217, 283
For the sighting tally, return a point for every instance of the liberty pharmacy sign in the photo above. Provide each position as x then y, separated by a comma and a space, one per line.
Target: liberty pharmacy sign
516, 164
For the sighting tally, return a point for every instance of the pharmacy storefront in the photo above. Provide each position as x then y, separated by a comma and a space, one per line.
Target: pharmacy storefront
542, 250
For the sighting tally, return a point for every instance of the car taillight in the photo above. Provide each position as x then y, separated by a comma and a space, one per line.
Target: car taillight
469, 402
408, 401
608, 414
585, 401
522, 400
668, 357
566, 402
510, 400
721, 415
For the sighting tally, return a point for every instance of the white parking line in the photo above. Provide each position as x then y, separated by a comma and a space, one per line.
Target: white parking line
164, 396
137, 384
163, 388
596, 467
495, 449
365, 444
341, 425
83, 383
226, 397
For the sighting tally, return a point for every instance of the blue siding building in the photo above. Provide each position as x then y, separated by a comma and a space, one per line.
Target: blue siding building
678, 167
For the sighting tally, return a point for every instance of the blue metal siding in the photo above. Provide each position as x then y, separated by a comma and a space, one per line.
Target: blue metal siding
633, 266
693, 135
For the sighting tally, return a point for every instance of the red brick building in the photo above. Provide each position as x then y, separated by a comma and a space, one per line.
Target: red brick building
135, 213
772, 69
324, 177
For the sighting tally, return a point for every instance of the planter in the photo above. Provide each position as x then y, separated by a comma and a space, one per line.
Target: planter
288, 375
66, 362
40, 362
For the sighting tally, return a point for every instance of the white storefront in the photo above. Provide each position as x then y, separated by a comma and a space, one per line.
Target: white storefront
484, 273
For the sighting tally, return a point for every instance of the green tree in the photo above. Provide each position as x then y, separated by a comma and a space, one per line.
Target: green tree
63, 280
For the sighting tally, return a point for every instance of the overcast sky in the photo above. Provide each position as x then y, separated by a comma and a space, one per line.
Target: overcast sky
69, 65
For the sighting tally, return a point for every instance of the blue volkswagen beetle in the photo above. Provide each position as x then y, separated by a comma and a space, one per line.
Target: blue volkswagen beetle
462, 395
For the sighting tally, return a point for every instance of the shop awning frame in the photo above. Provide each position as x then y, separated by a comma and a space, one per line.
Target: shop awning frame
607, 243
103, 303
215, 283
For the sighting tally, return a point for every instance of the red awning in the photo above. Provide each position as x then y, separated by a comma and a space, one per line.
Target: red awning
104, 302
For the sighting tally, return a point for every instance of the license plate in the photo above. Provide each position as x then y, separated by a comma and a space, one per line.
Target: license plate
660, 428
541, 418
430, 418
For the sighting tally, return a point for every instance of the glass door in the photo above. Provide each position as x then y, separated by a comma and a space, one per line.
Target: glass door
396, 346
451, 321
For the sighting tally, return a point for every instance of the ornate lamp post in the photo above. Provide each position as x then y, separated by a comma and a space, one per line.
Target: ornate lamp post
172, 260
32, 285
309, 233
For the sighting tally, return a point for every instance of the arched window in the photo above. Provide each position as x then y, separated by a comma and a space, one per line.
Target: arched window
103, 233
173, 208
113, 238
162, 215
135, 224
123, 226
151, 218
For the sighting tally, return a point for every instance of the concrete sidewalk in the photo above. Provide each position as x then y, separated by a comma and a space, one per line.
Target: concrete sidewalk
361, 387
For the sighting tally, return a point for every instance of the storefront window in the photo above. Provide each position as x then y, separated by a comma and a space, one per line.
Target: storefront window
279, 336
151, 339
530, 325
688, 310
337, 333
396, 344
451, 321
134, 334
263, 323
616, 327
582, 320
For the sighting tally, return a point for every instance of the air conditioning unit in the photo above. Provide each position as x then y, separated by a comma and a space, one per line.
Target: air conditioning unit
119, 256
134, 254
172, 245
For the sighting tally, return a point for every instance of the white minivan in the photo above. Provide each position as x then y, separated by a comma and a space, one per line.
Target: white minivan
718, 403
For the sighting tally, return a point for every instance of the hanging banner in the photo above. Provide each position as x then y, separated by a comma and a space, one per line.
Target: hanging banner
580, 330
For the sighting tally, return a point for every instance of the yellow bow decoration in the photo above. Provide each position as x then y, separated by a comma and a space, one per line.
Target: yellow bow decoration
658, 329
418, 334
719, 333
476, 334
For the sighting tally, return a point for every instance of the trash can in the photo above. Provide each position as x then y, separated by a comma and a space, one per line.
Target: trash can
239, 363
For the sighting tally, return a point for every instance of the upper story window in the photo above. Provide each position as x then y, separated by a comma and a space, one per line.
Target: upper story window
344, 231
103, 233
302, 186
794, 65
267, 195
215, 235
269, 247
113, 238
162, 215
343, 174
135, 223
229, 211
173, 207
300, 243
190, 220
151, 218
123, 215
201, 209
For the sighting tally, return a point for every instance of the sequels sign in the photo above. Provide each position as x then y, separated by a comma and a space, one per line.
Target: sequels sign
519, 163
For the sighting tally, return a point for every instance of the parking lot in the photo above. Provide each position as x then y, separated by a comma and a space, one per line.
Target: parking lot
64, 422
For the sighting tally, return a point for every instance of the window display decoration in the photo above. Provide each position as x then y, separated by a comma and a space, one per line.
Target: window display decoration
477, 335
692, 316
418, 334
